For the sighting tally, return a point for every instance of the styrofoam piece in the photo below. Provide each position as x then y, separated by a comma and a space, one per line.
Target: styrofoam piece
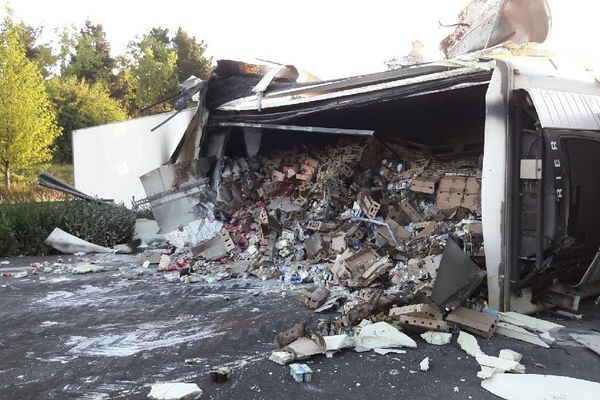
516, 332
499, 363
547, 338
338, 342
281, 357
86, 268
381, 335
540, 387
508, 354
383, 352
174, 391
469, 344
437, 338
487, 372
591, 341
424, 365
531, 323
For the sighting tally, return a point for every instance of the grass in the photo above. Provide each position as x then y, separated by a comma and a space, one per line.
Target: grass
31, 192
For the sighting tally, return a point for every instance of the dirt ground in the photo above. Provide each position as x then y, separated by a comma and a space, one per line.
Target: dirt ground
101, 335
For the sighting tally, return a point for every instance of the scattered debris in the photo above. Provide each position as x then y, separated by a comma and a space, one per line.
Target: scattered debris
540, 387
508, 354
473, 321
381, 335
516, 332
591, 341
69, 244
424, 365
86, 268
383, 352
281, 357
489, 364
301, 372
529, 322
437, 338
220, 374
174, 391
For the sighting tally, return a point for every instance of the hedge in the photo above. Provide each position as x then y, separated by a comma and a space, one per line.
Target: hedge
25, 227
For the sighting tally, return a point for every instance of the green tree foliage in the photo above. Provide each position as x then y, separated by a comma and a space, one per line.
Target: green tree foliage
27, 119
80, 105
86, 53
191, 59
152, 62
40, 54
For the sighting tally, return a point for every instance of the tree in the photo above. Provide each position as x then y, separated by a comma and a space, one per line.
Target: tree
40, 54
27, 120
152, 62
191, 59
85, 53
80, 105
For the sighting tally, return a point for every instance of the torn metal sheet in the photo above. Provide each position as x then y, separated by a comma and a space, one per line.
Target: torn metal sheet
69, 244
592, 274
297, 128
566, 110
457, 277
353, 93
485, 24
178, 193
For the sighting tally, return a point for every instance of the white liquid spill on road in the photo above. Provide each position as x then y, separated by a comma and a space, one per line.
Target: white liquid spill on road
84, 296
130, 343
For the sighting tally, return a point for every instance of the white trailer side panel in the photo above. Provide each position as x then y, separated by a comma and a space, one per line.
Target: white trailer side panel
108, 160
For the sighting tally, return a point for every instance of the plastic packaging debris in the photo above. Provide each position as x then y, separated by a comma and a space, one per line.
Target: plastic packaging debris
174, 391
21, 274
301, 372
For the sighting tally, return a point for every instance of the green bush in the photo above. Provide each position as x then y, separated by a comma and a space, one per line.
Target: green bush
25, 227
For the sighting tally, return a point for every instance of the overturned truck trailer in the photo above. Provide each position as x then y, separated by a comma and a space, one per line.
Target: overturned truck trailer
532, 132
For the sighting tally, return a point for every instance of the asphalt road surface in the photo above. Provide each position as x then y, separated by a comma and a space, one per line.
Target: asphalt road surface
101, 336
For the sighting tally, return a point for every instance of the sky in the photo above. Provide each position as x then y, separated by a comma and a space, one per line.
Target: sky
327, 38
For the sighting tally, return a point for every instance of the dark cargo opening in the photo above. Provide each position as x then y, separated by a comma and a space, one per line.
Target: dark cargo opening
583, 220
